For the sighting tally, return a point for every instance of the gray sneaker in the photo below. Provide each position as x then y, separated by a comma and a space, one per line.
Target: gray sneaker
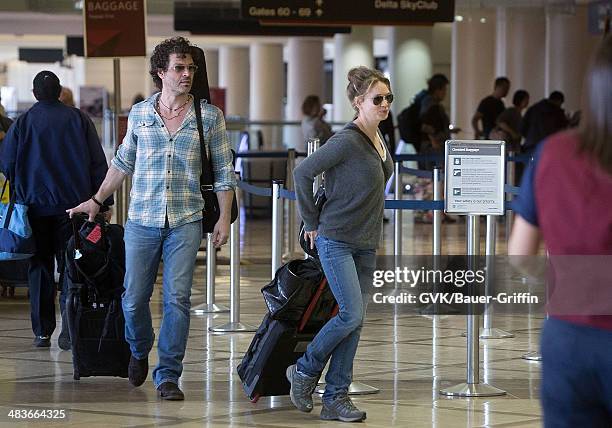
302, 387
342, 409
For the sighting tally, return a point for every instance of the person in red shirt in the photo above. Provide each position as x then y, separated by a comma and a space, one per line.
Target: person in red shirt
565, 203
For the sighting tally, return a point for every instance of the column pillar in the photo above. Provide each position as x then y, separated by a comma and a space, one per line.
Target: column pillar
410, 62
304, 77
234, 77
350, 50
212, 67
266, 100
472, 65
521, 48
569, 47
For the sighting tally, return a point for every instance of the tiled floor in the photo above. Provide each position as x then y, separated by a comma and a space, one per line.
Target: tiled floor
408, 357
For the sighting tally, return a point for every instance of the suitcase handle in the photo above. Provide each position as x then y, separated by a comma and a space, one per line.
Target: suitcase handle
311, 306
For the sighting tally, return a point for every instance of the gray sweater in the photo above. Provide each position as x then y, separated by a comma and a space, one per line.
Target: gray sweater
355, 178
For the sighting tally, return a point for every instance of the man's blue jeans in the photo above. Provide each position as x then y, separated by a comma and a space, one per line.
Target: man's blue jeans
144, 247
349, 273
576, 375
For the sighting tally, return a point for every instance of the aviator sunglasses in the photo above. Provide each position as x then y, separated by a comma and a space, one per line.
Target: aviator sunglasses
181, 68
378, 99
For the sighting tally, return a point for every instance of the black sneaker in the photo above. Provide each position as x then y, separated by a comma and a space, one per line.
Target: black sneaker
342, 409
42, 341
170, 391
302, 387
138, 370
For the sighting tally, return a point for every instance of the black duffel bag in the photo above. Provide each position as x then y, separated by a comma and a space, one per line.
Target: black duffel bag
287, 296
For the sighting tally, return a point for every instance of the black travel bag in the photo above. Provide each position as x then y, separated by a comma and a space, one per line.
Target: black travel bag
288, 295
280, 343
13, 273
95, 267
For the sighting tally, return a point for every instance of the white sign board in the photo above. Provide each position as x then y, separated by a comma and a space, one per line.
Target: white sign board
474, 178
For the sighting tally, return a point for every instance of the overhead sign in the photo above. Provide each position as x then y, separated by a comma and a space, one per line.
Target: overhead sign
475, 171
115, 28
372, 12
213, 18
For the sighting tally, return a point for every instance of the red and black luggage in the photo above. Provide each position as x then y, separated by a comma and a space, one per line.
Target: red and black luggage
278, 343
95, 267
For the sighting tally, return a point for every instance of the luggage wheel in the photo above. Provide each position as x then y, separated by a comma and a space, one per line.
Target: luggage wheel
255, 399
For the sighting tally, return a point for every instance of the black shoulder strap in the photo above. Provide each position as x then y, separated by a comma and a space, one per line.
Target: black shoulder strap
206, 178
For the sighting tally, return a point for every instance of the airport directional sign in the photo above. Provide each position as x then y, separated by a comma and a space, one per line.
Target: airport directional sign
348, 12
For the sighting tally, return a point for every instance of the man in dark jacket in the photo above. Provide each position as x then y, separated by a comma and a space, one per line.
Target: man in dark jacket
542, 119
53, 159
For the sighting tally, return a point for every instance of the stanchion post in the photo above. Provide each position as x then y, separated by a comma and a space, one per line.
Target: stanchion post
291, 230
437, 216
397, 231
119, 196
211, 270
510, 177
438, 307
488, 331
234, 325
313, 145
473, 387
277, 226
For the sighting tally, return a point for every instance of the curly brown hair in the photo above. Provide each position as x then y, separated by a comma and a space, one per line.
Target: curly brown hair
161, 56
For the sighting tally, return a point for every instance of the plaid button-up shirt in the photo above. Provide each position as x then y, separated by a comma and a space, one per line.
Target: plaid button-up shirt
166, 168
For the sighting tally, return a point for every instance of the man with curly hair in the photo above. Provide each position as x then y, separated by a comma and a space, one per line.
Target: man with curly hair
161, 151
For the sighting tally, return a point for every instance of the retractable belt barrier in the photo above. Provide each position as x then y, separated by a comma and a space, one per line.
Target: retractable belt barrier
259, 154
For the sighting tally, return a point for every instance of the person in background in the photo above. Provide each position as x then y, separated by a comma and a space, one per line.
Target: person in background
565, 203
138, 98
346, 233
489, 109
5, 124
53, 159
509, 122
542, 119
2, 109
313, 125
387, 129
66, 96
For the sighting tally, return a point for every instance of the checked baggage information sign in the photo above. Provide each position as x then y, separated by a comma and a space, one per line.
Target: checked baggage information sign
475, 177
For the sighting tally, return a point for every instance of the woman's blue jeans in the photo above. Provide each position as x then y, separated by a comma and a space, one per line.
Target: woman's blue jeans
576, 375
144, 247
349, 273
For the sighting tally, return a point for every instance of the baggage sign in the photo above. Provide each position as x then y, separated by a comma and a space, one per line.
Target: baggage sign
474, 177
115, 28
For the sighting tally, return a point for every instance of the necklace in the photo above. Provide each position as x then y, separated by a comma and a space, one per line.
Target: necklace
178, 109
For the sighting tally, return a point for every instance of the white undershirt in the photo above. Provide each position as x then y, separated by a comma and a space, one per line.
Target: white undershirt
380, 147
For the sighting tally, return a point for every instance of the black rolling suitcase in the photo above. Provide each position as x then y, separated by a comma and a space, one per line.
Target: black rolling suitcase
95, 267
278, 343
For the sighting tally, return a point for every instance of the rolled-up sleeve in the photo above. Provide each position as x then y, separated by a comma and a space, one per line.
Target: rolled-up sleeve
125, 158
221, 155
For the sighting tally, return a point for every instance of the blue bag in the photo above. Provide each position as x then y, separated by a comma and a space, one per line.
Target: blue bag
16, 239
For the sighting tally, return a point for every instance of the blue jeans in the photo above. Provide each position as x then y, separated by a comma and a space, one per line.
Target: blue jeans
576, 375
349, 273
144, 247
